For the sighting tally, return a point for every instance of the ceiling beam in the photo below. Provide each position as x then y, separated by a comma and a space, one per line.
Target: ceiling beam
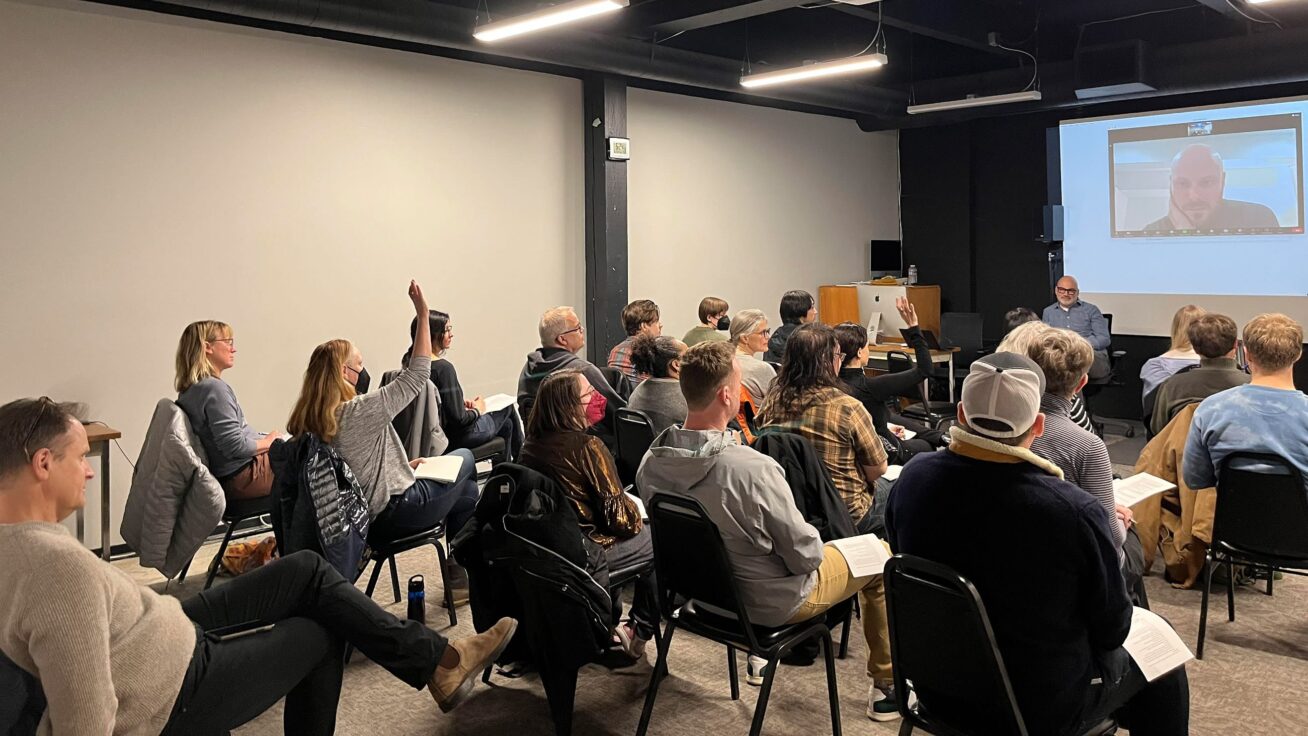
679, 16
1222, 7
958, 22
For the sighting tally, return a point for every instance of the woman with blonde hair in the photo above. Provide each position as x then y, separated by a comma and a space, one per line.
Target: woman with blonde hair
1180, 355
237, 455
358, 425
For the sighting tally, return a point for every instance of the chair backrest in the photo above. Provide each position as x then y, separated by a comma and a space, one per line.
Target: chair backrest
691, 560
1151, 399
617, 380
944, 650
962, 330
635, 433
1262, 506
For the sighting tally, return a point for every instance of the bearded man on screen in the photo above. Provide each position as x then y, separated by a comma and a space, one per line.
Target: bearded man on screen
1197, 203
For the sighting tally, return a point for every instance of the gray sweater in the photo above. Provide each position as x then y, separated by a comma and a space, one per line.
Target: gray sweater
774, 552
368, 442
661, 400
218, 421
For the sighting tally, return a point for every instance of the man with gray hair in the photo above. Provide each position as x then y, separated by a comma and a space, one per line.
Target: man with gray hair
561, 338
1041, 555
1197, 201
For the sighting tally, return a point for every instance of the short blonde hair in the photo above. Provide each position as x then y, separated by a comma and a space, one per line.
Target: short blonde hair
554, 323
1019, 340
745, 323
1274, 341
1181, 325
1065, 358
191, 364
705, 368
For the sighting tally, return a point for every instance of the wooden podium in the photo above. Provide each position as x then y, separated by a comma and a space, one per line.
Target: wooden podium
838, 304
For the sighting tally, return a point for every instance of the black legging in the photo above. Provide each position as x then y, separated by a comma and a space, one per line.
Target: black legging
315, 612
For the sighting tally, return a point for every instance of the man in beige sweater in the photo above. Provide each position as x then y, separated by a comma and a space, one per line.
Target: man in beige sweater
114, 657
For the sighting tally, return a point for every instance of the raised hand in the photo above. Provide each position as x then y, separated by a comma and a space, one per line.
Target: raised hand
416, 296
906, 310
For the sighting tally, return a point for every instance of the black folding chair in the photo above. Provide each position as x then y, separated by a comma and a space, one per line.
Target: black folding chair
380, 551
238, 512
692, 566
1112, 380
1261, 519
962, 330
924, 410
635, 434
946, 655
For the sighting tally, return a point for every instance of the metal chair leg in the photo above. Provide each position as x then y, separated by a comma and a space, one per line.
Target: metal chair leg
844, 635
1203, 607
1271, 573
761, 709
832, 693
905, 728
395, 578
445, 580
372, 581
185, 569
731, 672
654, 679
218, 558
1230, 591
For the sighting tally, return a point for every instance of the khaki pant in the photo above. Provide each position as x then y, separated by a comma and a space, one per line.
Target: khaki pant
834, 585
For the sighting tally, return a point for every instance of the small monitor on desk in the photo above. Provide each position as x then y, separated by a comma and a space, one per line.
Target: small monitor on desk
885, 258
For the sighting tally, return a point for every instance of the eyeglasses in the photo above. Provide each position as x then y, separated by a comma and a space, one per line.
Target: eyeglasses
765, 332
45, 401
231, 341
578, 328
1061, 290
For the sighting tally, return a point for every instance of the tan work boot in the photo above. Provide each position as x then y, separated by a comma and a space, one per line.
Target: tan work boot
449, 686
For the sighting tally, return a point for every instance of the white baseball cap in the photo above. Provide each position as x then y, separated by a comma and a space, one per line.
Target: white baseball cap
1001, 395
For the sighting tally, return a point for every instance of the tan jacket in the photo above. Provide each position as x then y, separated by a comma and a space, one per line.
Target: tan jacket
1180, 521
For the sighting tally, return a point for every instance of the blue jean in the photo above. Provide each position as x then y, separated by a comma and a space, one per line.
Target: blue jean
428, 502
503, 423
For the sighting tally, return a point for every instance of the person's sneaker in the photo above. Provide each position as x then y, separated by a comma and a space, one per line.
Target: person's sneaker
882, 705
632, 645
450, 685
754, 670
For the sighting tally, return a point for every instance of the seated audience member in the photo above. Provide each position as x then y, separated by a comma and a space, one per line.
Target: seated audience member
1064, 358
749, 333
786, 574
876, 391
1213, 337
561, 337
713, 321
558, 446
1018, 316
465, 421
113, 656
1180, 355
808, 399
1017, 321
358, 425
1083, 318
237, 455
659, 396
1267, 415
797, 308
1061, 637
640, 317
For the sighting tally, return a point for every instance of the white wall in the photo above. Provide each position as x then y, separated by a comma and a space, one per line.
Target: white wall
746, 203
156, 170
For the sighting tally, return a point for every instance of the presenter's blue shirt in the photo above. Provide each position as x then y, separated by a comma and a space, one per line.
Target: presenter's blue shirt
1246, 418
1084, 319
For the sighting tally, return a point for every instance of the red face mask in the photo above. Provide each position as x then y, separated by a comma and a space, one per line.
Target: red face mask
595, 408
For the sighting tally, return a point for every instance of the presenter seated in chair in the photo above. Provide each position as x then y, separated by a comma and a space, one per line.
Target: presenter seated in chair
114, 657
1061, 622
1268, 415
787, 575
237, 455
1197, 198
1083, 318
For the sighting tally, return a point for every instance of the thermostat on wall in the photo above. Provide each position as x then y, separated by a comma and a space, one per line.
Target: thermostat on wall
619, 149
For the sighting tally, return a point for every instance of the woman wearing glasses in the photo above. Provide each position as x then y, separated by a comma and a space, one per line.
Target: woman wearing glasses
750, 333
237, 455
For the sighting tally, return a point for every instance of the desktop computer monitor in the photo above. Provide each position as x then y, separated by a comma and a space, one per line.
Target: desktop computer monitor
886, 259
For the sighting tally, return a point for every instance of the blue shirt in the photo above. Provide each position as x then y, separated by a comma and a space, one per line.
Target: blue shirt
1083, 318
1250, 418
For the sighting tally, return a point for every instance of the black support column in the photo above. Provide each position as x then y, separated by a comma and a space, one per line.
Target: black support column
605, 106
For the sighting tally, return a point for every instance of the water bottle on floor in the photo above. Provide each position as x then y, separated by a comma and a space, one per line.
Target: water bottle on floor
417, 599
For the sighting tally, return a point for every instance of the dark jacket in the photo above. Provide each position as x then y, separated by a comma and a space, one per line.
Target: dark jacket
815, 495
544, 361
1054, 592
876, 391
1214, 375
317, 504
777, 343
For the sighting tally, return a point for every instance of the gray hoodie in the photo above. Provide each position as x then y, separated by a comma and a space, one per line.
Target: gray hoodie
774, 552
541, 362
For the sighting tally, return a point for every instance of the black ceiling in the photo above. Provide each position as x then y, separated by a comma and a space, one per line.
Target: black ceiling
937, 49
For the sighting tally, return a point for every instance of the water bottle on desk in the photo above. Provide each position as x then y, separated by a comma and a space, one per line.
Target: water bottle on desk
912, 275
417, 599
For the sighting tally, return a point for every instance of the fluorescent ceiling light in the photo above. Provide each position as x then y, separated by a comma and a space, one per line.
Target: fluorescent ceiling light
1027, 96
547, 18
866, 62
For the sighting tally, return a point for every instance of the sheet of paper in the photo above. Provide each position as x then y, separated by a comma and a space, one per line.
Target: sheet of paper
900, 431
1133, 490
639, 504
892, 472
865, 554
1154, 645
443, 469
498, 401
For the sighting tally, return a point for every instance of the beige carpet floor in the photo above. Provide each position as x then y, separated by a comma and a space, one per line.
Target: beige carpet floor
1251, 681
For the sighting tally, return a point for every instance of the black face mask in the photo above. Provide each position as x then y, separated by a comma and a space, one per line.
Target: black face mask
724, 323
362, 381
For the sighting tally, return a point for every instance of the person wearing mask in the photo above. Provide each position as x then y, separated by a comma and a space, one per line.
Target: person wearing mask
112, 656
465, 421
559, 447
876, 391
640, 317
1180, 355
749, 333
237, 455
562, 337
358, 425
713, 321
659, 396
797, 308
